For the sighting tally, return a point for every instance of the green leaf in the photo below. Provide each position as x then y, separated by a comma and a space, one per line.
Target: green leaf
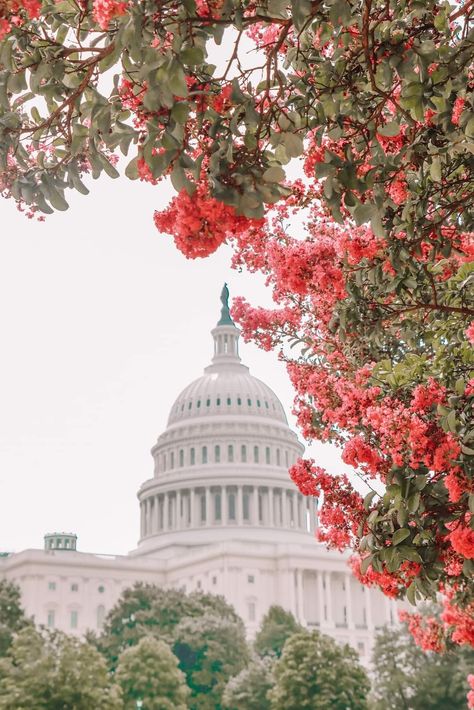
192, 56
414, 502
131, 171
293, 144
389, 130
274, 174
400, 535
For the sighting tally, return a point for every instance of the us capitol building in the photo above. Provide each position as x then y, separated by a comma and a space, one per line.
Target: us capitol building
220, 514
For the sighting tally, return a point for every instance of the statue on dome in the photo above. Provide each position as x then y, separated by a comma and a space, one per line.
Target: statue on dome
225, 318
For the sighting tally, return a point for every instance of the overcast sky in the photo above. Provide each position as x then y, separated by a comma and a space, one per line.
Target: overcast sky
103, 322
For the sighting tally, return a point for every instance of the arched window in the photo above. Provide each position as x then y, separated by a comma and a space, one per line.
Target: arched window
218, 401
231, 502
208, 402
229, 401
192, 456
255, 454
267, 455
249, 402
218, 507
198, 404
278, 457
100, 615
181, 458
217, 453
172, 460
230, 453
243, 453
239, 401
204, 454
258, 403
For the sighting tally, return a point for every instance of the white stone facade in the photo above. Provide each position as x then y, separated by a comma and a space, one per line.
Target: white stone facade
220, 514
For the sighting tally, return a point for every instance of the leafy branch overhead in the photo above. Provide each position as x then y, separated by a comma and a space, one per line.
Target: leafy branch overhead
371, 103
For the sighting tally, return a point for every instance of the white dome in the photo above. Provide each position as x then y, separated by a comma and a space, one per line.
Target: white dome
222, 392
221, 465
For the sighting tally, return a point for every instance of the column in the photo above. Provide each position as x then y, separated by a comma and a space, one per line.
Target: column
271, 508
178, 511
300, 596
327, 578
255, 521
157, 514
319, 578
350, 618
368, 608
192, 503
312, 521
143, 518
240, 505
292, 594
209, 516
165, 511
285, 504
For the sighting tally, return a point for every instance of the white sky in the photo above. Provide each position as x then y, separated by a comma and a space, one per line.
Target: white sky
103, 322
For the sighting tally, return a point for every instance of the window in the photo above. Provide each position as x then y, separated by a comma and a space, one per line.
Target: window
214, 580
278, 457
204, 454
190, 405
181, 458
286, 459
51, 586
198, 404
203, 507
100, 615
267, 455
344, 613
199, 584
208, 402
218, 507
164, 462
192, 456
218, 401
230, 453
74, 616
361, 648
251, 609
101, 589
239, 401
249, 402
217, 454
260, 508
251, 579
243, 453
246, 506
231, 502
266, 404
258, 403
229, 401
74, 587
51, 619
172, 459
255, 454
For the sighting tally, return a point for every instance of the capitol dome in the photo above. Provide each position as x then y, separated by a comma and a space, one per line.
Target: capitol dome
222, 462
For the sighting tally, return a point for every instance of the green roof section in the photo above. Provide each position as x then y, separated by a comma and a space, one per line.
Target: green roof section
225, 318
